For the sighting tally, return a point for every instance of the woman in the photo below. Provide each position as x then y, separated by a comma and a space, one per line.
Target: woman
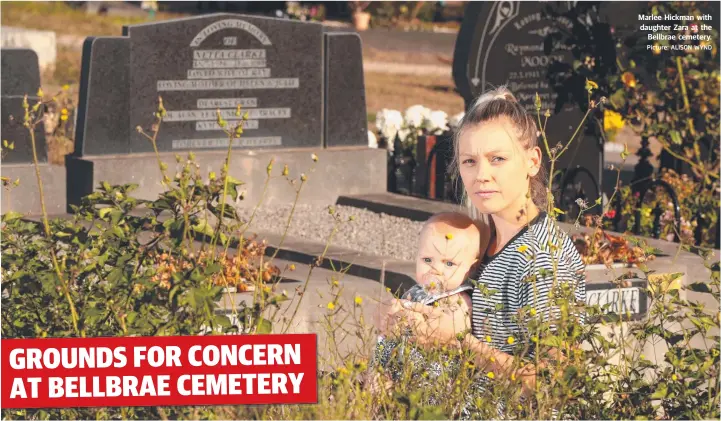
500, 164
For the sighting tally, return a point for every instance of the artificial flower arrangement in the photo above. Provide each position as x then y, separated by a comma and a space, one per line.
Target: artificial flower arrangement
416, 121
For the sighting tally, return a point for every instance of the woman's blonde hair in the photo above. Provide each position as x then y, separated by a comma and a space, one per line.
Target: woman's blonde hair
493, 105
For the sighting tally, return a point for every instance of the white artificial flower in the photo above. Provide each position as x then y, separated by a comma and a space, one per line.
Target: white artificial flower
403, 134
372, 141
416, 115
437, 122
455, 121
388, 122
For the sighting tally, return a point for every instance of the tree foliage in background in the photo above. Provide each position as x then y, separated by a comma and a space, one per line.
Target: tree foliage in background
669, 96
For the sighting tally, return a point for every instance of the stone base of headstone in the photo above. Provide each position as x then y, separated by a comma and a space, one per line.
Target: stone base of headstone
339, 171
25, 198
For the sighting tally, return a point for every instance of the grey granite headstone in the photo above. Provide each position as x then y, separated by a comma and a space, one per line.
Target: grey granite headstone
345, 101
20, 76
20, 72
103, 125
273, 67
502, 43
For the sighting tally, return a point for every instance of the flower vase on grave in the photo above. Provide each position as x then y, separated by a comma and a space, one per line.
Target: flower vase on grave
361, 20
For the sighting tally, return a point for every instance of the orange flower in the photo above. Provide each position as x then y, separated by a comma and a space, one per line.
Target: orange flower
629, 79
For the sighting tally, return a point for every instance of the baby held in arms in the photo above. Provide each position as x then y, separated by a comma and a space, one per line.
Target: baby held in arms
448, 253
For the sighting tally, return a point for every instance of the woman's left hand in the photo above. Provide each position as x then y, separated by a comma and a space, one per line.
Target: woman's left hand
431, 326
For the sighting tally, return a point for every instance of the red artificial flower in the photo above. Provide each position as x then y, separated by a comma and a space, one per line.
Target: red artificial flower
610, 214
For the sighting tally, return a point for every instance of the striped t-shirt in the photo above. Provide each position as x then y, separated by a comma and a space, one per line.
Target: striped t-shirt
502, 285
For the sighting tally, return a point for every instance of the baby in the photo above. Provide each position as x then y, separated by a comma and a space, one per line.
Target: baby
448, 252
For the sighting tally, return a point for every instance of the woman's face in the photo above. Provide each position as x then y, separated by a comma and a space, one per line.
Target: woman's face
496, 169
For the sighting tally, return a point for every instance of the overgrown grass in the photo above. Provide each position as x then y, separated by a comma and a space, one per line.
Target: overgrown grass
66, 20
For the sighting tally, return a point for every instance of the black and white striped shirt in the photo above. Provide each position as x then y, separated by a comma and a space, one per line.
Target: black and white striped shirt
505, 283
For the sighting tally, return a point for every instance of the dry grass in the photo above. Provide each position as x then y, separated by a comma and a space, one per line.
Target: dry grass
401, 91
409, 57
65, 20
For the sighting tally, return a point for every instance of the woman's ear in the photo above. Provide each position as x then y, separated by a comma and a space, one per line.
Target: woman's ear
534, 160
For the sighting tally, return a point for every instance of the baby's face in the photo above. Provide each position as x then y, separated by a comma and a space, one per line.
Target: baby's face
444, 263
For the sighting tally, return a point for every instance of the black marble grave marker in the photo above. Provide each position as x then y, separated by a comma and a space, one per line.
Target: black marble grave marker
273, 67
345, 99
20, 77
103, 125
502, 43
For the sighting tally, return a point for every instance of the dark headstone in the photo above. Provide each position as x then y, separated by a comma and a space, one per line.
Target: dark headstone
20, 72
20, 76
273, 67
345, 100
103, 125
502, 43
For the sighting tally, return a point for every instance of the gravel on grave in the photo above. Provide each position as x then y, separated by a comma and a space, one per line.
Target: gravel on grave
370, 232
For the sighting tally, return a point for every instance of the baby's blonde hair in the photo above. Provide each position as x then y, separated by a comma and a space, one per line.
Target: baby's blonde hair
454, 221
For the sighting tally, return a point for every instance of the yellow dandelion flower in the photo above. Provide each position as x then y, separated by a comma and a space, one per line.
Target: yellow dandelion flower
358, 300
674, 377
449, 236
511, 340
612, 121
513, 378
66, 87
493, 360
292, 267
336, 283
522, 248
331, 306
591, 85
488, 338
491, 375
388, 289
520, 408
629, 79
533, 312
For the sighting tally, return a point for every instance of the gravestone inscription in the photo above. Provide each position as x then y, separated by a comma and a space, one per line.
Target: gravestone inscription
273, 68
20, 74
301, 86
502, 43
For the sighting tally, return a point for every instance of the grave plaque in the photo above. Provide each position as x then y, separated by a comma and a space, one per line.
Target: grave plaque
20, 76
501, 43
273, 68
619, 301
